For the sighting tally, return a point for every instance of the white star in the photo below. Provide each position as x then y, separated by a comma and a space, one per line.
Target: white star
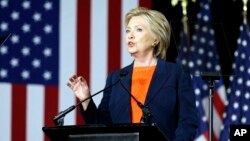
247, 95
226, 102
211, 43
14, 39
47, 52
197, 91
194, 37
217, 68
26, 27
248, 83
233, 117
202, 40
47, 28
224, 115
25, 51
204, 29
242, 68
197, 103
184, 62
25, 74
209, 65
237, 93
197, 26
37, 17
36, 63
3, 73
236, 53
229, 90
243, 120
47, 5
14, 62
4, 3
47, 75
210, 54
3, 50
204, 118
239, 39
191, 64
185, 49
206, 6
241, 27
231, 78
26, 4
244, 43
36, 40
211, 31
205, 18
201, 51
243, 56
204, 87
15, 15
222, 127
197, 72
192, 48
245, 108
240, 81
4, 26
236, 105
199, 62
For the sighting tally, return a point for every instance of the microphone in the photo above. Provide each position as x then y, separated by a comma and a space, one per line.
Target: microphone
59, 119
146, 114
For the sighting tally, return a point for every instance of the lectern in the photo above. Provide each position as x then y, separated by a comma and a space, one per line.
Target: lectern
114, 132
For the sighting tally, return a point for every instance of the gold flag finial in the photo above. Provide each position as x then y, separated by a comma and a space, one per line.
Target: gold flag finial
184, 4
245, 10
245, 5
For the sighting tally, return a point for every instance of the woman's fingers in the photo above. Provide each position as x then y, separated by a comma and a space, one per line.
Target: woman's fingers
73, 80
69, 85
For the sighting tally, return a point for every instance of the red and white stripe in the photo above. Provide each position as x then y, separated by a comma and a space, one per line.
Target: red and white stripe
91, 44
219, 104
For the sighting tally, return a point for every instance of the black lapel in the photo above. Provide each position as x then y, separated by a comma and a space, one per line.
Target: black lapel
158, 79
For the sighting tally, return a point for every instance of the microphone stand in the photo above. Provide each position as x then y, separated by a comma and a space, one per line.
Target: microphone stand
210, 76
59, 119
147, 116
4, 39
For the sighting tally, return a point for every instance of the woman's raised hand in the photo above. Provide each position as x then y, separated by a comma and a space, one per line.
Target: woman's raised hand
80, 88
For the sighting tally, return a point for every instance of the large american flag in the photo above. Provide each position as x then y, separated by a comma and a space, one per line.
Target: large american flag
51, 41
237, 111
200, 55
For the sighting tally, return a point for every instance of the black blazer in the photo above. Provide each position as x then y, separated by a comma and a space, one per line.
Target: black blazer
170, 98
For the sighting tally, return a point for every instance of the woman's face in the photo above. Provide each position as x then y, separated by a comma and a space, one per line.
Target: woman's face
139, 37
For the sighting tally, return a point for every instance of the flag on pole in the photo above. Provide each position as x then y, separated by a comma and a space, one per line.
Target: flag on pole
200, 55
184, 45
50, 41
237, 111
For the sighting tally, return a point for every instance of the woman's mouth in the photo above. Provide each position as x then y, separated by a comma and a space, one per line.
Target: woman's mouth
131, 44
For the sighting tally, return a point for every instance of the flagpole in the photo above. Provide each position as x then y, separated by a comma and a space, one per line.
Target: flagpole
210, 77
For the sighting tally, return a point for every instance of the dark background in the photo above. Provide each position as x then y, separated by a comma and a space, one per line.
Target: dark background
226, 18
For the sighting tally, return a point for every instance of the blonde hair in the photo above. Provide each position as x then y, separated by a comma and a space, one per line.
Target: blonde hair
159, 26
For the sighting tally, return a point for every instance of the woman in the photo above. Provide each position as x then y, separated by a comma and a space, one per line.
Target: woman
161, 86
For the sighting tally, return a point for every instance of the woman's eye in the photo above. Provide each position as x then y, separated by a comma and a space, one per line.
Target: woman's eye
139, 29
127, 30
